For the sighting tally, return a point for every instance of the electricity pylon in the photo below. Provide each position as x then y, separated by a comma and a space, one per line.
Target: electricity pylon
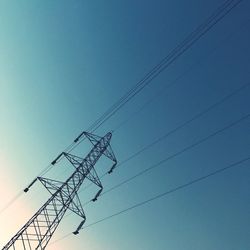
37, 232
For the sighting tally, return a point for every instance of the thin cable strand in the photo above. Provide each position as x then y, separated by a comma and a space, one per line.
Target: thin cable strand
176, 54
191, 39
179, 77
178, 153
167, 192
184, 124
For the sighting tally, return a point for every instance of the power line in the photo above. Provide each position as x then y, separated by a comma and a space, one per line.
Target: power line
194, 36
182, 125
180, 49
178, 153
121, 124
11, 202
167, 192
176, 80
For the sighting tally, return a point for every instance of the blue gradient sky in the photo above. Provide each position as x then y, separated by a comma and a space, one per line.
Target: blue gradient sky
63, 63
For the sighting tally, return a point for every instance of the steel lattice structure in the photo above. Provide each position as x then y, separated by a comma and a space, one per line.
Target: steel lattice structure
37, 232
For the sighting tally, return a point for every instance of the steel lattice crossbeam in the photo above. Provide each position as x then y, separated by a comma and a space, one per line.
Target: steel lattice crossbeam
37, 232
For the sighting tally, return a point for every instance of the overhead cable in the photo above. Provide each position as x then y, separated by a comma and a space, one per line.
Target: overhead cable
176, 154
182, 125
166, 193
180, 49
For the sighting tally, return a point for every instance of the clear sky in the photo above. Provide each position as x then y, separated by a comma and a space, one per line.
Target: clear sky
63, 63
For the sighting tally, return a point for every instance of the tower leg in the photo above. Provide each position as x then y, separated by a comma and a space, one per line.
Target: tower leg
97, 195
79, 227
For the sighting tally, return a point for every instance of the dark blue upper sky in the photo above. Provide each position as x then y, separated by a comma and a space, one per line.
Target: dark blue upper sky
64, 63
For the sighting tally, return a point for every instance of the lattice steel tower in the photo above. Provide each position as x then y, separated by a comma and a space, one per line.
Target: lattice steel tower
37, 232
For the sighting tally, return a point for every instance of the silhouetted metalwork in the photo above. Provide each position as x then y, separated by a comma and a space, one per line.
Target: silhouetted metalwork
37, 232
